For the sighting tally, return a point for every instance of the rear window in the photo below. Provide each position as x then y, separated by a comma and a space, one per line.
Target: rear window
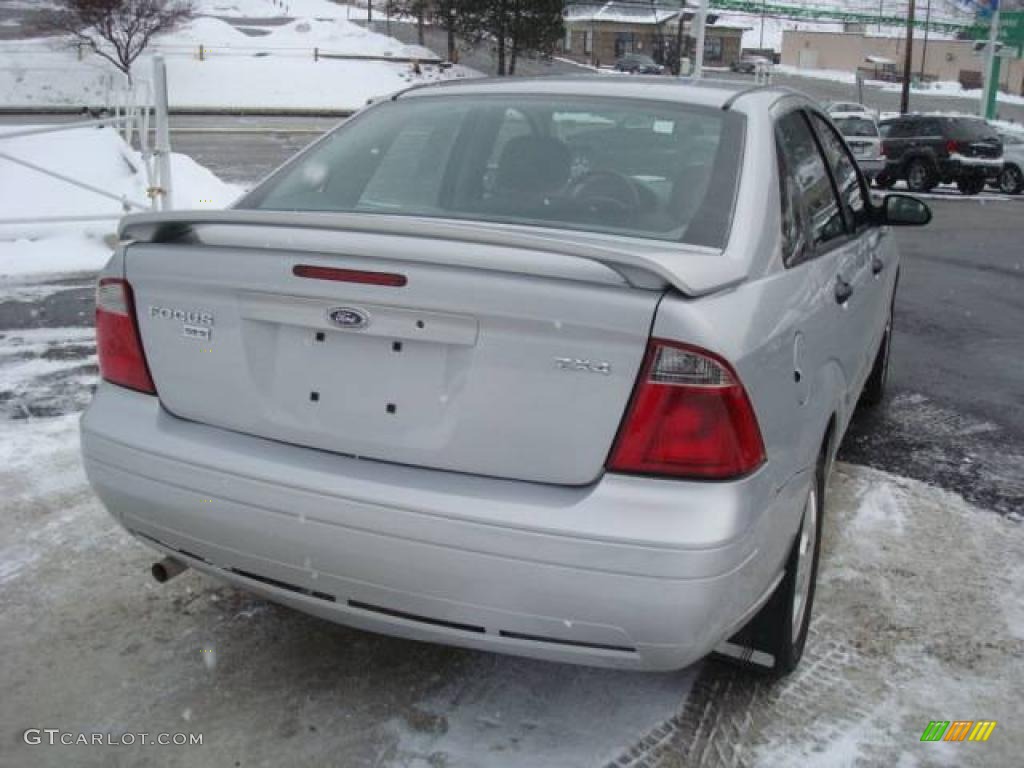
648, 169
966, 129
856, 126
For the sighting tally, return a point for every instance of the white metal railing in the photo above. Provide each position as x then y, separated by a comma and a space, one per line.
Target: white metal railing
129, 111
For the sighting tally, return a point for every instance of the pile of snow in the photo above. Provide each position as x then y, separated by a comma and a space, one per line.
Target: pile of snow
96, 156
268, 9
330, 35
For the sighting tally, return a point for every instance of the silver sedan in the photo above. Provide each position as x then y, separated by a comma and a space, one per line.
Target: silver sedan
550, 367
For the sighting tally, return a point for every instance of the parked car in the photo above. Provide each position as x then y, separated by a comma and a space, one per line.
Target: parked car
748, 64
639, 64
1011, 178
861, 133
928, 150
553, 367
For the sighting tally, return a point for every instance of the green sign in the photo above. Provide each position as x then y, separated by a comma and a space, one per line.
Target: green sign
1011, 28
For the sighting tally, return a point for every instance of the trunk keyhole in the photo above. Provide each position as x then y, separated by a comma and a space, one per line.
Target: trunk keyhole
314, 397
320, 336
391, 408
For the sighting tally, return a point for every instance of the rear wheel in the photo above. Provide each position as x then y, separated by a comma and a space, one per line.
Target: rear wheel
1011, 180
970, 185
780, 628
920, 176
796, 592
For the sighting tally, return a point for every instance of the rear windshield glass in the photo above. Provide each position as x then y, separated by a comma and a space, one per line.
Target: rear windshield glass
967, 129
648, 169
856, 126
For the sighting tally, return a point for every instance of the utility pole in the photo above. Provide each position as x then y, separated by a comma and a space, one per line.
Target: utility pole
924, 49
908, 61
698, 55
881, 3
761, 44
992, 62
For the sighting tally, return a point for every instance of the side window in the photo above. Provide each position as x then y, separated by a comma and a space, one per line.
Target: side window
844, 171
894, 130
815, 217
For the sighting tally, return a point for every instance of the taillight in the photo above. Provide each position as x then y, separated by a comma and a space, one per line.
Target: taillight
689, 417
118, 345
952, 147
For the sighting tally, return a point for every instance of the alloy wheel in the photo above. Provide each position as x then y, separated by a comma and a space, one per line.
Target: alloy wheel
917, 177
805, 561
1011, 181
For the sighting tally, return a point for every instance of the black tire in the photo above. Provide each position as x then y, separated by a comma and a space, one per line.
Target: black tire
777, 629
884, 181
1011, 180
874, 387
920, 176
970, 185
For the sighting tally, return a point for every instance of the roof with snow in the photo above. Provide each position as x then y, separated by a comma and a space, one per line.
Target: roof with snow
621, 11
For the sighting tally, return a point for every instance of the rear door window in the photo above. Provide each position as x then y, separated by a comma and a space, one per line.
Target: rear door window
848, 180
965, 129
812, 217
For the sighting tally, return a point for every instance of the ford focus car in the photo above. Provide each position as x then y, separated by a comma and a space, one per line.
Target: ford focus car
547, 367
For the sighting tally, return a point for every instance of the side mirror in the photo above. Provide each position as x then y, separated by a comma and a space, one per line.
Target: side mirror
904, 211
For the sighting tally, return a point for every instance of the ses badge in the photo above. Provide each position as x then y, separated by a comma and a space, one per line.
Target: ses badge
196, 324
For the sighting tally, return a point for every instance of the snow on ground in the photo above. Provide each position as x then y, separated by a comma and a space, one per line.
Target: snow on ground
923, 591
277, 70
946, 88
97, 156
940, 88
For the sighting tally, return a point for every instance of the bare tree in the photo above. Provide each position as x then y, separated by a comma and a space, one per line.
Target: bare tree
118, 30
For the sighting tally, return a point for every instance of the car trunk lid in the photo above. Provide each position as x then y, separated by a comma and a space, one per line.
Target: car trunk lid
486, 359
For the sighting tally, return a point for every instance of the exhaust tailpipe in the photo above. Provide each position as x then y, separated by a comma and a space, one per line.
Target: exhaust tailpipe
167, 569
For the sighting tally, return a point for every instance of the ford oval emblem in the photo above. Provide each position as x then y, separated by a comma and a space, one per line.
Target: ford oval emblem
348, 317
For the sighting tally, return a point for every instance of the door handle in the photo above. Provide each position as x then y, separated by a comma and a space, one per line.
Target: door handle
844, 291
877, 265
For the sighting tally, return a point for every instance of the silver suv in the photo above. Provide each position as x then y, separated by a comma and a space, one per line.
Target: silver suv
548, 367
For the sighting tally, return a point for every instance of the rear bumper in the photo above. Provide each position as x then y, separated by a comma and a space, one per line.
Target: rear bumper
628, 572
961, 165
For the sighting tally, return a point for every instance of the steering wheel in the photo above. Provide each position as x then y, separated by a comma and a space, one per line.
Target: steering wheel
608, 196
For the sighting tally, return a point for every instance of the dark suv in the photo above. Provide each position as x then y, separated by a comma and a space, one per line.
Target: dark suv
926, 150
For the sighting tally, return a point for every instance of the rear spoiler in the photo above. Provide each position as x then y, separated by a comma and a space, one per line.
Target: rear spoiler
653, 265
